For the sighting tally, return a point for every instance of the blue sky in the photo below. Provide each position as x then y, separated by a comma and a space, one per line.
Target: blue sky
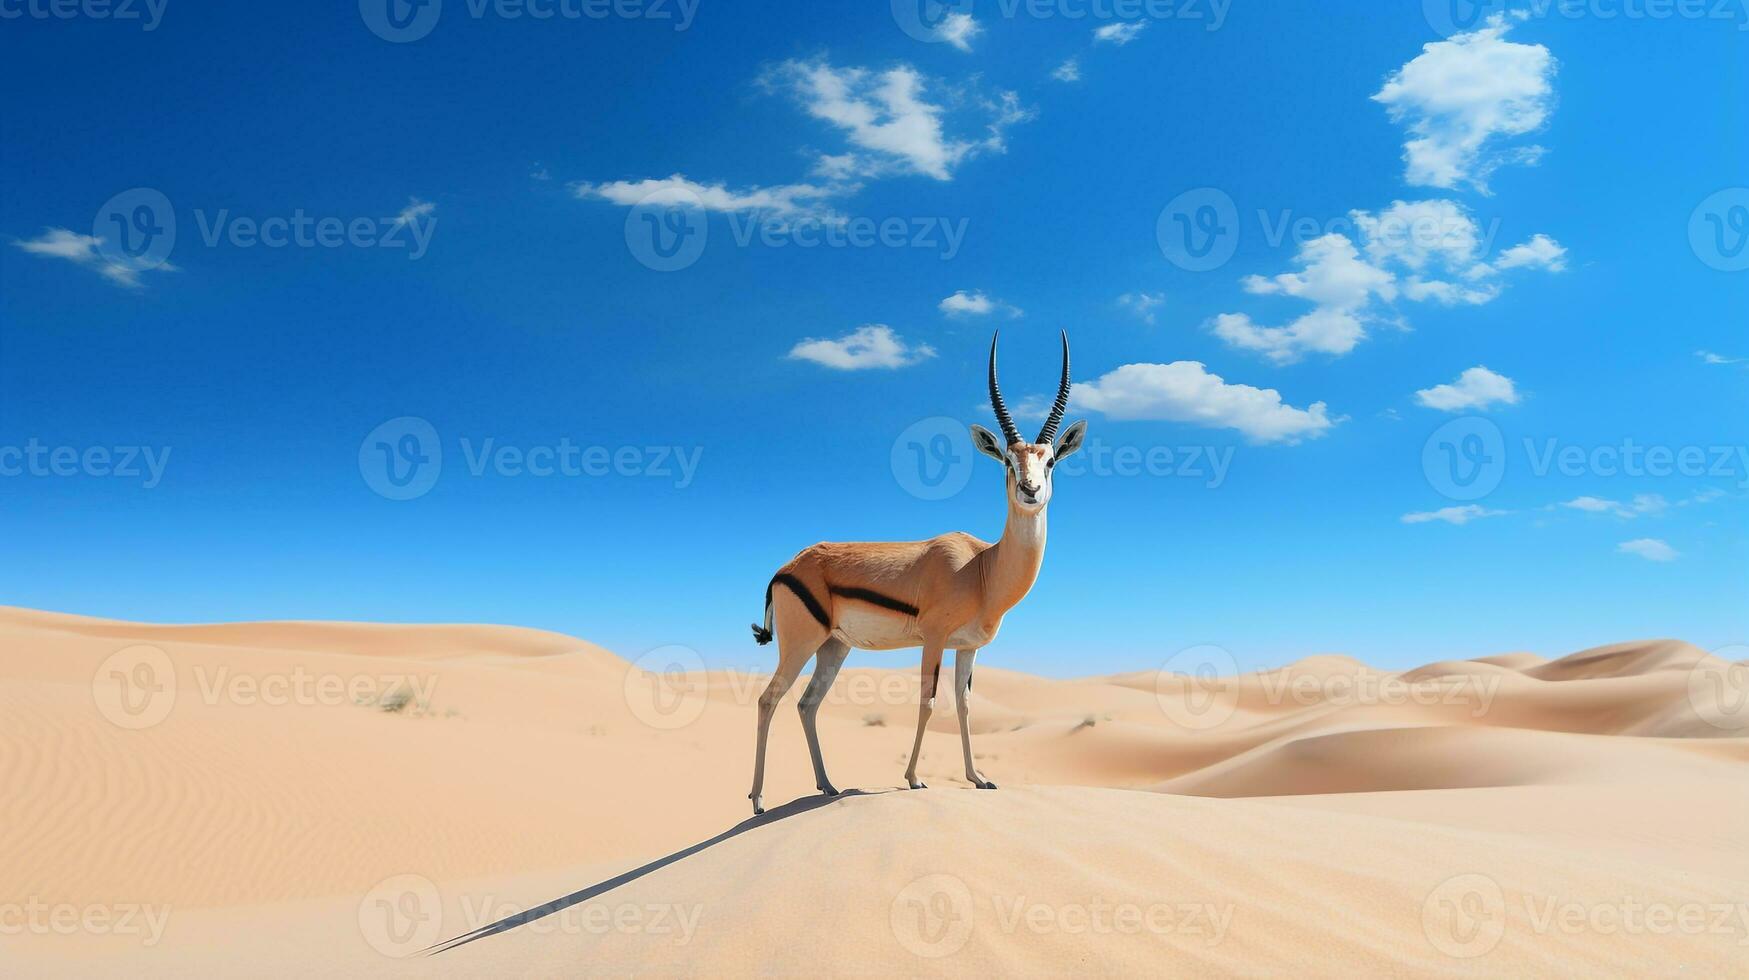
1452, 362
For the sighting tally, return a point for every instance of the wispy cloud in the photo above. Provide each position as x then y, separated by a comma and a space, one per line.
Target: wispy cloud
1068, 71
1476, 388
975, 303
1452, 515
1142, 304
87, 250
1651, 549
785, 201
958, 30
1644, 503
1709, 357
1461, 96
1185, 391
891, 119
874, 345
415, 210
1118, 32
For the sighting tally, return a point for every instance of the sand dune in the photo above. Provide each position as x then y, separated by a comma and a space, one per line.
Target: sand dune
301, 796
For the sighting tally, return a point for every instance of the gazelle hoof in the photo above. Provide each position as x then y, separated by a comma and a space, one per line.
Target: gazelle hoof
828, 790
918, 784
986, 784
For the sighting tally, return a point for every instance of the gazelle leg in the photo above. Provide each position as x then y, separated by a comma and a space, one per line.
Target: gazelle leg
962, 695
826, 664
789, 665
925, 705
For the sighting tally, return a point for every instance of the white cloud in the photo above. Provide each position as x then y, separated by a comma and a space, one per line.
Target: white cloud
1643, 503
1184, 391
958, 30
975, 303
87, 250
871, 346
1459, 95
888, 116
1068, 71
414, 210
1419, 234
1710, 358
1651, 549
1336, 280
1452, 515
789, 200
1119, 32
1541, 252
1142, 304
1475, 389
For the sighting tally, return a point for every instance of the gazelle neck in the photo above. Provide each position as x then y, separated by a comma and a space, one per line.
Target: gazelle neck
1016, 558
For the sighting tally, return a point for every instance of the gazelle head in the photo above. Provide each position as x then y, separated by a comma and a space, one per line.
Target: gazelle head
1029, 463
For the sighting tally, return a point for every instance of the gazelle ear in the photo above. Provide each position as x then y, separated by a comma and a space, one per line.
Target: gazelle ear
988, 444
1070, 440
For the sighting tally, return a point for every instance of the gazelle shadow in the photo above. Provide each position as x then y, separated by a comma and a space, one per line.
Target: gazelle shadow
772, 816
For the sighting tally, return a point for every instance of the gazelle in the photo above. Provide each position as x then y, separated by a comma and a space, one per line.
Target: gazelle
949, 591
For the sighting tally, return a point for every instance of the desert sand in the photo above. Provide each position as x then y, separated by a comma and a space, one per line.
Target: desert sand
276, 799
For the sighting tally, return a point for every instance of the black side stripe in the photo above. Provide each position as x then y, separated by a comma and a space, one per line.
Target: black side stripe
793, 584
876, 599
